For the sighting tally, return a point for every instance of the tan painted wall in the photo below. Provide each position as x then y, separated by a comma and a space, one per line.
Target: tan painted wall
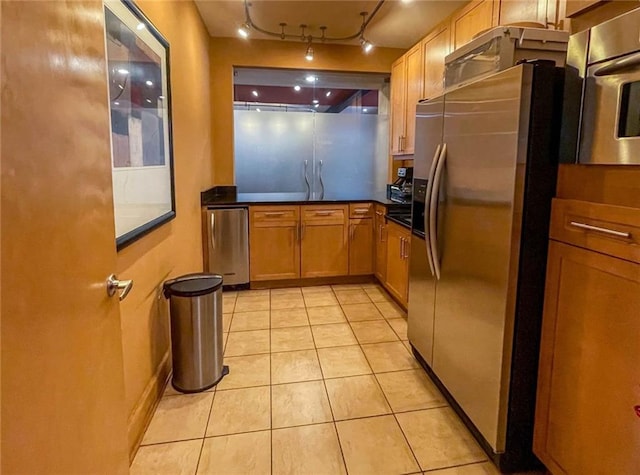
225, 53
175, 248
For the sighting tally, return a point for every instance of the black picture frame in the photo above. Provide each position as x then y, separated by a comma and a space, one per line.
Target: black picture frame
162, 163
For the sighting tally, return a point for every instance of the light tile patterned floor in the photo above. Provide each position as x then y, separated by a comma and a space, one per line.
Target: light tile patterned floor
321, 381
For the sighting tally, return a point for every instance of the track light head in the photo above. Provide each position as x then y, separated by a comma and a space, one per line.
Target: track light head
309, 54
244, 30
367, 46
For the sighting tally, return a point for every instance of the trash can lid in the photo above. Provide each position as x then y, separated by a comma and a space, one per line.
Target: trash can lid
192, 285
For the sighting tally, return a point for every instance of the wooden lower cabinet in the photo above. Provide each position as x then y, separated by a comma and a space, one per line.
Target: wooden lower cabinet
274, 242
324, 241
361, 246
588, 404
380, 231
398, 251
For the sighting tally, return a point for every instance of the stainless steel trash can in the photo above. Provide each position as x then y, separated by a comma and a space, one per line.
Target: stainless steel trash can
195, 309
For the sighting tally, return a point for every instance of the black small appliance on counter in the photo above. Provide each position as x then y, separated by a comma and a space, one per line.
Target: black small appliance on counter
400, 190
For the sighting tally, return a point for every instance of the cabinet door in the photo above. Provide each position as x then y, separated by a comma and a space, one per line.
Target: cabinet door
397, 280
398, 83
325, 241
471, 20
435, 48
413, 70
588, 404
274, 245
381, 244
524, 11
361, 246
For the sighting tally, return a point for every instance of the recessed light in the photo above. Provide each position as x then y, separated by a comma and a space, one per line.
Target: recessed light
328, 93
123, 71
296, 88
315, 101
311, 78
140, 26
255, 93
149, 83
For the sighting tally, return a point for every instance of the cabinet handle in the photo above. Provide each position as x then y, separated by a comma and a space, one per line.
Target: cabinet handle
399, 146
274, 213
302, 226
598, 229
406, 249
324, 213
361, 211
402, 143
401, 247
379, 213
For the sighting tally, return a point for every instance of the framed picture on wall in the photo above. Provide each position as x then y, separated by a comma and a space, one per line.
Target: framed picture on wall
140, 109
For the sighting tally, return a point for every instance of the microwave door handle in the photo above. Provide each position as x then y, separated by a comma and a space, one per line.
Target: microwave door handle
427, 238
433, 210
618, 65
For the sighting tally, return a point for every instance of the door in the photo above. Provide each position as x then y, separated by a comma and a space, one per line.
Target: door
228, 244
381, 244
274, 237
414, 72
361, 246
588, 400
477, 244
63, 406
324, 241
475, 17
434, 50
397, 261
398, 88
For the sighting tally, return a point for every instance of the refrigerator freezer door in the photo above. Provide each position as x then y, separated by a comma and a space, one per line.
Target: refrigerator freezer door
422, 290
480, 197
429, 120
228, 244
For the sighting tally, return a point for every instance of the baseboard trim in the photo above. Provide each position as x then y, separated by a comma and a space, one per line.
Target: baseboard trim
337, 280
142, 413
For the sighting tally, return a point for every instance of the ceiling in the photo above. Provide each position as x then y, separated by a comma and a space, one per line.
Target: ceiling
398, 24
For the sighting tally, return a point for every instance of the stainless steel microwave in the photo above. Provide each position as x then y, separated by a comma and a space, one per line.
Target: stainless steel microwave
605, 62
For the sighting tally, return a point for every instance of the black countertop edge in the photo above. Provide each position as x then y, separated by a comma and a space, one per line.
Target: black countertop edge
214, 199
398, 221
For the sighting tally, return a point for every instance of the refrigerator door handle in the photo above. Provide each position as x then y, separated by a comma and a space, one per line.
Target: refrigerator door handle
433, 210
427, 240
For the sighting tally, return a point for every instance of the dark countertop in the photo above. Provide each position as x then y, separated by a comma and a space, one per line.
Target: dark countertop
211, 198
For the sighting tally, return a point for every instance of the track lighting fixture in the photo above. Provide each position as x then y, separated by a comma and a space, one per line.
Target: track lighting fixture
309, 54
367, 46
244, 30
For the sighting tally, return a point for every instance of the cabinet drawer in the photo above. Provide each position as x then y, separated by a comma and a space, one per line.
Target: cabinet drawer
612, 230
324, 214
361, 210
274, 214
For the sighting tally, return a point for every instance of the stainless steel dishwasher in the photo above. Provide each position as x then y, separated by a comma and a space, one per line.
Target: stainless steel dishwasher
227, 247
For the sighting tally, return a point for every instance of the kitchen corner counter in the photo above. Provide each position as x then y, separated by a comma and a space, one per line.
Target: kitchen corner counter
213, 198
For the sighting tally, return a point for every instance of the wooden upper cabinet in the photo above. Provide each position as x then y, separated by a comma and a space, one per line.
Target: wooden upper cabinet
578, 6
414, 75
380, 267
324, 241
588, 403
274, 242
398, 88
477, 16
406, 91
528, 12
397, 278
434, 49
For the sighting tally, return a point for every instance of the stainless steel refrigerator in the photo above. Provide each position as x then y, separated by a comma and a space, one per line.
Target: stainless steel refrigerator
488, 153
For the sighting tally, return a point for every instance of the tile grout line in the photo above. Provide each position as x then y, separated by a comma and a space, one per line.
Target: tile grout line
270, 395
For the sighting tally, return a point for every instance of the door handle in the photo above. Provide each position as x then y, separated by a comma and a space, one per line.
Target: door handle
113, 285
433, 210
306, 180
